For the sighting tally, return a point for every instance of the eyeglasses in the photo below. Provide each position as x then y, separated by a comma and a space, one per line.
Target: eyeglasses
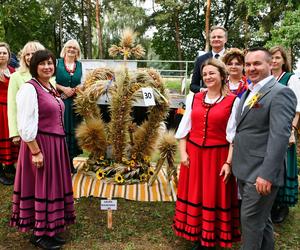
71, 47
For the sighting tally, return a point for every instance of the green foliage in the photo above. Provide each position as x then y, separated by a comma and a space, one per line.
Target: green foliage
21, 23
178, 25
191, 22
287, 32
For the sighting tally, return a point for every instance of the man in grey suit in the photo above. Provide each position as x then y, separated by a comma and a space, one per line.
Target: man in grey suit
263, 120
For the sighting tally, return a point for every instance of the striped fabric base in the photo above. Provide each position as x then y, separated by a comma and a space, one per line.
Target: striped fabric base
85, 186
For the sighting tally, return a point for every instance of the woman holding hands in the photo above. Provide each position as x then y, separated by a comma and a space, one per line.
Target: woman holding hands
43, 196
207, 205
68, 78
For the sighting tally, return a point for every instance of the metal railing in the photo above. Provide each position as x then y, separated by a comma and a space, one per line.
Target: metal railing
164, 67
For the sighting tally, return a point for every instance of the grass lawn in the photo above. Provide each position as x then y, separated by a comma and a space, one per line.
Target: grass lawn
136, 225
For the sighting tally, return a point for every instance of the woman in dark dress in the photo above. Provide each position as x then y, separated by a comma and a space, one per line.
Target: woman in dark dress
287, 195
68, 79
43, 194
207, 205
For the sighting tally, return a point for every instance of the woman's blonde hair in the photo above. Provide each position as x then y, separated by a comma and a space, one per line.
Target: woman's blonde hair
71, 41
32, 45
222, 70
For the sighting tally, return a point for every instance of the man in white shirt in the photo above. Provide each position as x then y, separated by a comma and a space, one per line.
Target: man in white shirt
263, 124
217, 40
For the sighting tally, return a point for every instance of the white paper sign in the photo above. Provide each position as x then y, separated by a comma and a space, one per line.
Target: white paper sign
148, 96
108, 204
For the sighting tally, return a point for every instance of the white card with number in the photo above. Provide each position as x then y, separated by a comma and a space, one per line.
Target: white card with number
148, 96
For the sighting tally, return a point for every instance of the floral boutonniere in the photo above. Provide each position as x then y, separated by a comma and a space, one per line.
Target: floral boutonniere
253, 101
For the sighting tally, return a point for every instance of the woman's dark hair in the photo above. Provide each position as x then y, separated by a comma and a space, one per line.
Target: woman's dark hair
234, 53
38, 57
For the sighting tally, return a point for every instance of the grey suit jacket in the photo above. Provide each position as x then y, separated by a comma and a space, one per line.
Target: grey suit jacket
262, 134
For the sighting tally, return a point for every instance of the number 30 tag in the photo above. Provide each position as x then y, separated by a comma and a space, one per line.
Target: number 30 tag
148, 96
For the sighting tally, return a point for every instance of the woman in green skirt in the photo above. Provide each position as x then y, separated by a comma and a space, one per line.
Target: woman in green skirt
288, 194
68, 79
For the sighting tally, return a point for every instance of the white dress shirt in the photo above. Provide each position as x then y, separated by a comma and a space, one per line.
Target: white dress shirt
254, 89
186, 123
294, 84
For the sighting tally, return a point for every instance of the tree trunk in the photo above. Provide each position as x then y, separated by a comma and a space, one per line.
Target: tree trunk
246, 33
207, 24
99, 29
89, 29
60, 25
83, 38
178, 42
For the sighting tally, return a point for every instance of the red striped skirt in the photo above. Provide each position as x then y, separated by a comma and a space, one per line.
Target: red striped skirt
206, 208
8, 151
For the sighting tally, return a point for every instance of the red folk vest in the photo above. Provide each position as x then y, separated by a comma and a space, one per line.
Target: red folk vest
209, 122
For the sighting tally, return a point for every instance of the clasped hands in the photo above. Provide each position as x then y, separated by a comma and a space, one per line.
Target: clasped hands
68, 91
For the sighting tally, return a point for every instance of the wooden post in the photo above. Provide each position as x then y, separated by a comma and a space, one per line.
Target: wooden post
207, 17
109, 217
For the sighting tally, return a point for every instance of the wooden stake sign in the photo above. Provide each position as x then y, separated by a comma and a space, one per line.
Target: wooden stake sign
109, 205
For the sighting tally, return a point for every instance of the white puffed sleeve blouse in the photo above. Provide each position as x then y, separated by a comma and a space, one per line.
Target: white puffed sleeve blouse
186, 124
294, 84
27, 112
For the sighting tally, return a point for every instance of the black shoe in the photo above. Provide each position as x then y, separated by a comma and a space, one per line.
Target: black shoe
5, 181
10, 169
44, 242
59, 240
280, 215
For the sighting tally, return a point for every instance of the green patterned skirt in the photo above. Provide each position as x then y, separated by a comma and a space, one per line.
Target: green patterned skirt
288, 194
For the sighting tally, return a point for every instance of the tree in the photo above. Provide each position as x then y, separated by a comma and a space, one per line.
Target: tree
24, 20
179, 30
287, 33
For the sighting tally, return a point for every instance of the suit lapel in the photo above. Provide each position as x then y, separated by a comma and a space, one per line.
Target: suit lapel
263, 92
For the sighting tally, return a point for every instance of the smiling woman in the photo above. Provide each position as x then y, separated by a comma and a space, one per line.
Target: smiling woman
43, 197
68, 78
207, 207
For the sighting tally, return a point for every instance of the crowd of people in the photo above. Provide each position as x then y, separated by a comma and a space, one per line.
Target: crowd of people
237, 143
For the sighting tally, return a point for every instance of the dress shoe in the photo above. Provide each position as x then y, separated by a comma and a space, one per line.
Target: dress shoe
59, 240
280, 214
5, 181
10, 169
44, 242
